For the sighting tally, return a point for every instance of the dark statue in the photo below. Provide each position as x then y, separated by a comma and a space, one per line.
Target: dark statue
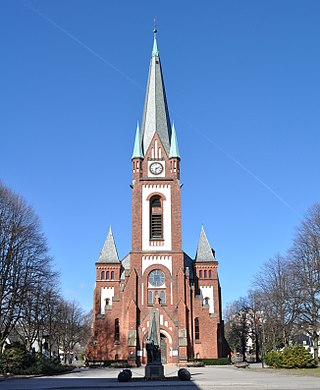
153, 352
154, 368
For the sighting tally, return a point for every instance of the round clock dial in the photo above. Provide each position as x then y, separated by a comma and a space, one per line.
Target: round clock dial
156, 168
156, 278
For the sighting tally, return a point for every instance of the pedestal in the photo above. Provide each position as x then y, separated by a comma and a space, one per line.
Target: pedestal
154, 371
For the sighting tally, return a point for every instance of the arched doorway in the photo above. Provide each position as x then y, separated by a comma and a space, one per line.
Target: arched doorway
163, 348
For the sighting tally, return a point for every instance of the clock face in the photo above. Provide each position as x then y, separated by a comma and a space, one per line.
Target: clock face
156, 168
156, 278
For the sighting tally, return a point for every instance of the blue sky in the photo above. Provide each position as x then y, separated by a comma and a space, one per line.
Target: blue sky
243, 88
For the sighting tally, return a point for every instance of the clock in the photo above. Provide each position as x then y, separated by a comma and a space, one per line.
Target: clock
156, 168
156, 278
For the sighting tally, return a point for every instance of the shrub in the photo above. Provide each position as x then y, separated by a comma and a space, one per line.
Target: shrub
273, 359
293, 357
13, 359
297, 357
16, 360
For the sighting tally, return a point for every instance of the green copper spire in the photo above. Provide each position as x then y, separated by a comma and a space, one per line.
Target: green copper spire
174, 149
137, 149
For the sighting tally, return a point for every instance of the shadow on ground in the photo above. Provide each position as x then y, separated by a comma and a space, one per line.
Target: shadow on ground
54, 383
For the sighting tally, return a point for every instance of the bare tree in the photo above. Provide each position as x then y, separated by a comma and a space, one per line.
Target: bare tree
23, 258
73, 327
305, 263
239, 326
274, 294
33, 323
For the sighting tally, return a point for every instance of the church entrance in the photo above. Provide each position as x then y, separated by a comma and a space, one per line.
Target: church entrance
163, 348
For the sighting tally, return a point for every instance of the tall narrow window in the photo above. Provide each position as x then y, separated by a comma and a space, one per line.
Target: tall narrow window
205, 273
162, 298
200, 274
112, 275
150, 298
210, 273
102, 275
108, 275
196, 329
117, 329
156, 220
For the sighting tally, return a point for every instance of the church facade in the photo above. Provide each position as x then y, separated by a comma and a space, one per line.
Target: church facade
157, 280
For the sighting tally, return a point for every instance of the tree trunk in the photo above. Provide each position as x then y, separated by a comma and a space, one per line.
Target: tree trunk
243, 348
315, 340
257, 349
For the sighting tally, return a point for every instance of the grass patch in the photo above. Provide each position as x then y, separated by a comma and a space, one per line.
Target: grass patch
315, 371
306, 371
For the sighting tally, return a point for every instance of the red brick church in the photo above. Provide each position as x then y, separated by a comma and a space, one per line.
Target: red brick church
157, 279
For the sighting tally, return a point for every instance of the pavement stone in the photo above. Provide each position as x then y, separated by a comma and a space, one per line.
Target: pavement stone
202, 378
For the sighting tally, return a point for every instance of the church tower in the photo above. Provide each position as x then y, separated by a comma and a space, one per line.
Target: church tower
156, 281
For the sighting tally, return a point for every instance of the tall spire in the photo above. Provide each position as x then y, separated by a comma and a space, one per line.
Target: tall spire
174, 149
109, 252
204, 251
155, 114
137, 148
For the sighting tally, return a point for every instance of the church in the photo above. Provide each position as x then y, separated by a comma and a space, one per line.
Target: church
157, 281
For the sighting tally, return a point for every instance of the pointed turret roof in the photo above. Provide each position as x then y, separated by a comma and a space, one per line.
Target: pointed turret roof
204, 251
137, 148
174, 149
155, 114
109, 252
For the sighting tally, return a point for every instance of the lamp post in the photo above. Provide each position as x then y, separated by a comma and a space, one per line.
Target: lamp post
262, 341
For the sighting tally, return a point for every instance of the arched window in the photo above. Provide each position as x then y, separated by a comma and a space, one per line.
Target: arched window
112, 275
196, 329
116, 329
156, 220
200, 274
108, 275
210, 273
162, 298
107, 301
205, 273
102, 275
150, 298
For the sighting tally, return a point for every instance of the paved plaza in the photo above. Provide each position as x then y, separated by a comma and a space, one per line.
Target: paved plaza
203, 378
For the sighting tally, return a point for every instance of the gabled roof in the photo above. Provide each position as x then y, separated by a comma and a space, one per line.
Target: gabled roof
204, 251
188, 263
155, 114
109, 252
125, 263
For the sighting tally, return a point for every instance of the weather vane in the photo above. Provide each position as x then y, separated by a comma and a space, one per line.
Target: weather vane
155, 25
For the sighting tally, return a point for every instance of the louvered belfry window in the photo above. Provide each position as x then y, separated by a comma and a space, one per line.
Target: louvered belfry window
156, 218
